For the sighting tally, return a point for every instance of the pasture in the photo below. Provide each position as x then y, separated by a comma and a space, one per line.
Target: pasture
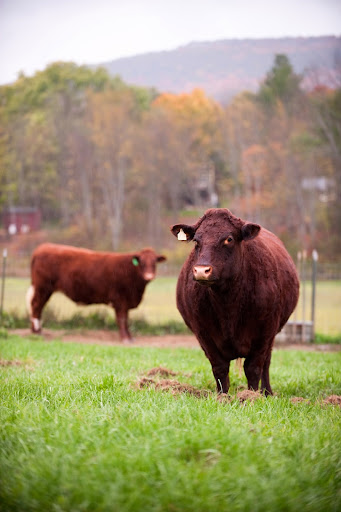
83, 429
158, 305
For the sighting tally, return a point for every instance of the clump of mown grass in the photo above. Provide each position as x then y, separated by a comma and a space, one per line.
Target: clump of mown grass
95, 320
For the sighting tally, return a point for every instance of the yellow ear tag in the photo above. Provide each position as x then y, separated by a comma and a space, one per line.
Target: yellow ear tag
182, 235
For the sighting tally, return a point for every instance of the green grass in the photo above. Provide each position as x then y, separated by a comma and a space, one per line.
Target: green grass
77, 435
158, 308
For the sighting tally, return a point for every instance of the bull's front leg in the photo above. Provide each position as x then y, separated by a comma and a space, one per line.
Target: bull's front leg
123, 327
221, 375
220, 366
256, 368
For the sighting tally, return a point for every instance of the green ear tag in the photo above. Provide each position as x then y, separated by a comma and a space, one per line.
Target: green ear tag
135, 262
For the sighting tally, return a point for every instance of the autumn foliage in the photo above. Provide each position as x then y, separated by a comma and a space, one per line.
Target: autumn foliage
115, 165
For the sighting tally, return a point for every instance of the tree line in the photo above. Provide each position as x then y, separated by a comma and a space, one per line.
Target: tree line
112, 165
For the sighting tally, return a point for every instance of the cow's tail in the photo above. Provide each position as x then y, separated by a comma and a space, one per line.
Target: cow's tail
29, 297
239, 365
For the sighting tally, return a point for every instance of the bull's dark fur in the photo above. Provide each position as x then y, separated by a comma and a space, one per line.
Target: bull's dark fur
89, 277
236, 291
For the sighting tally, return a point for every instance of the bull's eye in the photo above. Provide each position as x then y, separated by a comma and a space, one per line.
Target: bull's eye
228, 240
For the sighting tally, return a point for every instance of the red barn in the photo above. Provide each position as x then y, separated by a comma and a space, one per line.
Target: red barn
21, 219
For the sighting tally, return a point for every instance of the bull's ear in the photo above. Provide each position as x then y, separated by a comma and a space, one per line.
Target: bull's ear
250, 231
183, 232
161, 258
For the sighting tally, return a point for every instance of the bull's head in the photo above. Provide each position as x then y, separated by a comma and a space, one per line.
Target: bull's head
219, 239
145, 261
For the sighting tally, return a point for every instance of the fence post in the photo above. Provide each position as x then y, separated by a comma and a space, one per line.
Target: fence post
4, 258
304, 257
298, 265
313, 290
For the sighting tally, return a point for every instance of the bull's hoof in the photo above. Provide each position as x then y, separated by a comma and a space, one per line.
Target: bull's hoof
128, 341
35, 325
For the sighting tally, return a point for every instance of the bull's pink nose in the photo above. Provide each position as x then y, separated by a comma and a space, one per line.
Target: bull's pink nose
202, 272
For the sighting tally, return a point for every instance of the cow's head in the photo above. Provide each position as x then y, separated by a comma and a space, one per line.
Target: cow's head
219, 239
145, 261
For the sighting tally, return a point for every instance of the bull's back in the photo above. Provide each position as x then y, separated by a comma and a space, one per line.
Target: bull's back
279, 268
78, 273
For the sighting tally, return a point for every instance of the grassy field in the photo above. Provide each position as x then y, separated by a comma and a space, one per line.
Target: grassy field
158, 305
78, 434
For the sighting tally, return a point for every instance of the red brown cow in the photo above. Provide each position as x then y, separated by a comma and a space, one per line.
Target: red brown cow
235, 291
89, 277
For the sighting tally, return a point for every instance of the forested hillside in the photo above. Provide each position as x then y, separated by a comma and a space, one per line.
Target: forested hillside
112, 166
227, 67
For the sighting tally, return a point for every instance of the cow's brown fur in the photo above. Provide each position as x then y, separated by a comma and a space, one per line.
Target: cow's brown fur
236, 291
89, 277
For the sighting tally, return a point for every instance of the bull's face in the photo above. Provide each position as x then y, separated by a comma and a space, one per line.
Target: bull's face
146, 261
219, 239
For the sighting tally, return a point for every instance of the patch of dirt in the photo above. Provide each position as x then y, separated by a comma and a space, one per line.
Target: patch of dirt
299, 400
177, 387
14, 362
244, 396
106, 337
333, 400
110, 338
330, 400
248, 394
163, 372
174, 386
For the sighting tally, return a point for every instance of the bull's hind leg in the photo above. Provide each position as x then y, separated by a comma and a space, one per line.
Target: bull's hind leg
35, 301
256, 367
122, 323
265, 379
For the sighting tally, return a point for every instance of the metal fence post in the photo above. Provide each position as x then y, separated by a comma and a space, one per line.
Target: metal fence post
313, 290
4, 258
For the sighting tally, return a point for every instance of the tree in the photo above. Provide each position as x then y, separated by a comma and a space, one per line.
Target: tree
327, 114
111, 125
281, 84
194, 126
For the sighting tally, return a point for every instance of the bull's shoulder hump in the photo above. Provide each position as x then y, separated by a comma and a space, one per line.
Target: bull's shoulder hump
268, 239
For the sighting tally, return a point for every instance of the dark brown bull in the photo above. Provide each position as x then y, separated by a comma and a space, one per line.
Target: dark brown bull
89, 277
235, 291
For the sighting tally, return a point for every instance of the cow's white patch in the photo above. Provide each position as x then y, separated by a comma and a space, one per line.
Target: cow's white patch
29, 297
182, 235
36, 324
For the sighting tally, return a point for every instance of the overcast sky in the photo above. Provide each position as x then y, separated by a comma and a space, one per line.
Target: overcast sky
34, 33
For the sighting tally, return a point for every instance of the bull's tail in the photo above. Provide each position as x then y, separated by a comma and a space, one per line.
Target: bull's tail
29, 297
239, 365
35, 322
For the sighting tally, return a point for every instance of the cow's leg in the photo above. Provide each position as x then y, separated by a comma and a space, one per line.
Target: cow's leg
36, 299
221, 375
220, 366
253, 367
265, 379
122, 323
